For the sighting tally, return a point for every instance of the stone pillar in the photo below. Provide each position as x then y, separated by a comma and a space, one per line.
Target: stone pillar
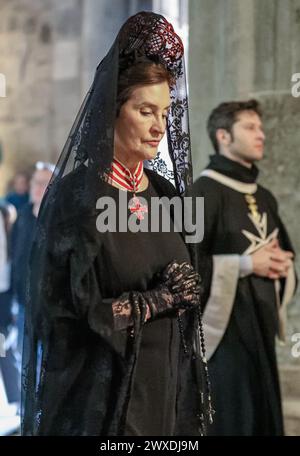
66, 70
101, 23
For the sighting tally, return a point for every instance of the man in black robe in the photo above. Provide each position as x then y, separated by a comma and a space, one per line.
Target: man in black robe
246, 261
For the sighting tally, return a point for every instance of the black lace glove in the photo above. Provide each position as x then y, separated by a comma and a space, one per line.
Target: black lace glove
184, 283
155, 301
179, 288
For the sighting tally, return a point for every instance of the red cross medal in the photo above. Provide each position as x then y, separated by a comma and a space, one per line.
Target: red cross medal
137, 208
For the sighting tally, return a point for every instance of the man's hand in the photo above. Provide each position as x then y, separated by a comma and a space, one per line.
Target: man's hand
271, 261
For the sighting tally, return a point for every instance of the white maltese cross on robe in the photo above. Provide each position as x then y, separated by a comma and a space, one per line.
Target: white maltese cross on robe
260, 221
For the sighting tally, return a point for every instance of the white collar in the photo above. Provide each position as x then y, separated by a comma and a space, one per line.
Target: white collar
239, 186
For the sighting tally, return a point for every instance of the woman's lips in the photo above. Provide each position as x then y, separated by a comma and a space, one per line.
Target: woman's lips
152, 143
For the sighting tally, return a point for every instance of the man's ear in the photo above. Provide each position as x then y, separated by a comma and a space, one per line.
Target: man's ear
223, 137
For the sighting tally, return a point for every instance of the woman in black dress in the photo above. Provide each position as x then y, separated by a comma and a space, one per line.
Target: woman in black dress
114, 344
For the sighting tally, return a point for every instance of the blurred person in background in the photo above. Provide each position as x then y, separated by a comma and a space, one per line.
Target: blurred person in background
22, 239
9, 373
19, 194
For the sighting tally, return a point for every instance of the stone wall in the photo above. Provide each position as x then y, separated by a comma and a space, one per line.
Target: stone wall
26, 40
238, 48
49, 50
280, 172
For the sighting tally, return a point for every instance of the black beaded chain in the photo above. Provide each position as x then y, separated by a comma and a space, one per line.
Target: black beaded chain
204, 361
181, 332
211, 411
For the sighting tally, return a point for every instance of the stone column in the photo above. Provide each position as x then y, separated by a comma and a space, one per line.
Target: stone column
66, 69
101, 23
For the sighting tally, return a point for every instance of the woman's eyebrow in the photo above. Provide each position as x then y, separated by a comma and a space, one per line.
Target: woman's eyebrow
151, 105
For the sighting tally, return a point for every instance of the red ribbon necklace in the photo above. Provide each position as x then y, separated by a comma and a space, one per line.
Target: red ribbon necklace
127, 180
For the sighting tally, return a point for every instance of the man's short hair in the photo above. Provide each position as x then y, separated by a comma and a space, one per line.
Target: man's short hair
225, 115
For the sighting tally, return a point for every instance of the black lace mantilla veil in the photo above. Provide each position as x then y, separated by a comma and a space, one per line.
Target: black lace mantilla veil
91, 137
90, 145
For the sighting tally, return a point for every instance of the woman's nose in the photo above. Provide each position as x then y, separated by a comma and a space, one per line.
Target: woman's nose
159, 125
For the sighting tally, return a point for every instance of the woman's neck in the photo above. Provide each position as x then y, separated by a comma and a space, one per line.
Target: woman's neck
130, 164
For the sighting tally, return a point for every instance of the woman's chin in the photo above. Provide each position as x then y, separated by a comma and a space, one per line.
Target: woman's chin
151, 154
146, 154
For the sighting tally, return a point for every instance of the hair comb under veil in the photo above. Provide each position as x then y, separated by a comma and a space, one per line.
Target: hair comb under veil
90, 146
